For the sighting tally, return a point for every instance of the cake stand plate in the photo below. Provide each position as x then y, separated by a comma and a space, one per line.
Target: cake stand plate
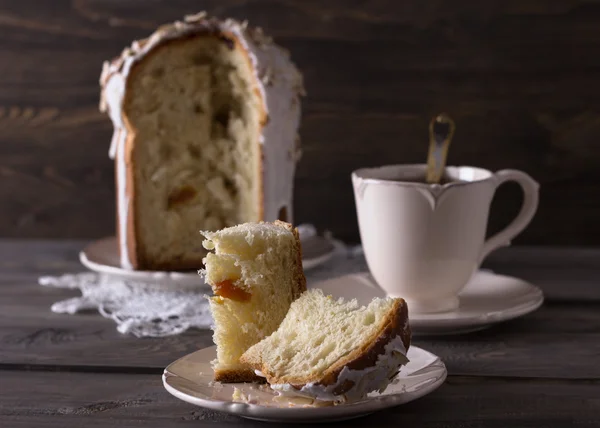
191, 379
103, 256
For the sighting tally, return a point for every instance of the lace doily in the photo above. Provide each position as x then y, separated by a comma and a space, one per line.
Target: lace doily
149, 310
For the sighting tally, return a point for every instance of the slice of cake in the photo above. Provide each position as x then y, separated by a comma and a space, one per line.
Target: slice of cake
255, 273
205, 115
333, 350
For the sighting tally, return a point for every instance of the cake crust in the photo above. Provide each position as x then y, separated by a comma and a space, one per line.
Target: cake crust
237, 376
300, 279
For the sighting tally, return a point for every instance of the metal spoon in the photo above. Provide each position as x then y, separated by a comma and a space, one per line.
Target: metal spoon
441, 130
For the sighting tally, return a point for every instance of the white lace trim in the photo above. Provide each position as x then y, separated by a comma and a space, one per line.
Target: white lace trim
149, 310
138, 308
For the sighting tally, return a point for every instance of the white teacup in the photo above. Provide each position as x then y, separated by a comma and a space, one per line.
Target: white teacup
423, 241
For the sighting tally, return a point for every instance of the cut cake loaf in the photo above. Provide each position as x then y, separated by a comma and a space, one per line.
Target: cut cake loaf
332, 350
205, 115
255, 273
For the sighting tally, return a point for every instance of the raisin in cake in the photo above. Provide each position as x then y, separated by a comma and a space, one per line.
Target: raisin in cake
255, 273
205, 115
331, 350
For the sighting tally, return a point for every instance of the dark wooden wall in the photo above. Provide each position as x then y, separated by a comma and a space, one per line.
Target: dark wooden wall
521, 78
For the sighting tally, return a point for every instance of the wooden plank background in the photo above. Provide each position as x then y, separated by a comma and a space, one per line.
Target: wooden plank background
520, 77
59, 370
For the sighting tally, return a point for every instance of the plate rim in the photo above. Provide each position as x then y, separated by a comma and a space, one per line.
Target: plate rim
289, 414
534, 294
115, 270
174, 276
467, 323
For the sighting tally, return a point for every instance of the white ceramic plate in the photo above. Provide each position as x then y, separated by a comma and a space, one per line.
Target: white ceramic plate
190, 379
487, 299
102, 256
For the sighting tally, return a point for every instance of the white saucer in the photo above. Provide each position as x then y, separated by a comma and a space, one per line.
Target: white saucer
102, 256
190, 379
487, 299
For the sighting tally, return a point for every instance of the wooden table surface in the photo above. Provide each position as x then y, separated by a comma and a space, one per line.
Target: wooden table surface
68, 371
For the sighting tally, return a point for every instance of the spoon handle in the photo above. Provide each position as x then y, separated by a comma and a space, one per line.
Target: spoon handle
441, 130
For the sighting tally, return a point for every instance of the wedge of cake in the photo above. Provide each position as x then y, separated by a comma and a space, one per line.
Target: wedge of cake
332, 350
205, 114
255, 273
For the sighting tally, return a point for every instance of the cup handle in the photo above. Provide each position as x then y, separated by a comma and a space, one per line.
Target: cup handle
530, 203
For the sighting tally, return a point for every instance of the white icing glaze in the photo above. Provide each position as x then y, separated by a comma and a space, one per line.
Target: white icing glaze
374, 378
123, 201
277, 80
